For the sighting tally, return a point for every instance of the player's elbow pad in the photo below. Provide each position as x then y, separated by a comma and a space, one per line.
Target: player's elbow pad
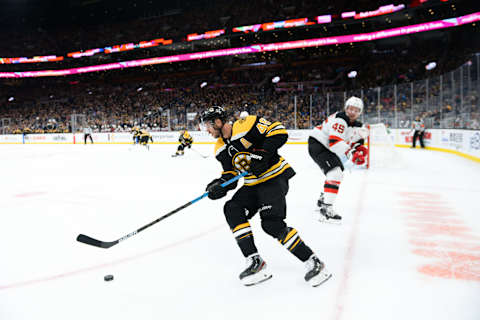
272, 144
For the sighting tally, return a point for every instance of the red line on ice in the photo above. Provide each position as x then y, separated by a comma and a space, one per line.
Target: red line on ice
343, 288
107, 264
29, 194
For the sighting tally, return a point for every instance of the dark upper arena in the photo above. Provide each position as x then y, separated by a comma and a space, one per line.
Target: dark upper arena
431, 74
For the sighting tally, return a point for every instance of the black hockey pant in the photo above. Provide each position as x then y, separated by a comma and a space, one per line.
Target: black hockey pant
87, 135
418, 134
268, 199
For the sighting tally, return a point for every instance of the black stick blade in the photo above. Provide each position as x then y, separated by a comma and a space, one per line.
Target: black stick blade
94, 242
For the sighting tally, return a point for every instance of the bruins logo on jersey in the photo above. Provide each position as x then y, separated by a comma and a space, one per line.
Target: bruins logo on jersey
241, 161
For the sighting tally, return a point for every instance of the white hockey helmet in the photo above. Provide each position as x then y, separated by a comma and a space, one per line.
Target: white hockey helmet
243, 114
354, 102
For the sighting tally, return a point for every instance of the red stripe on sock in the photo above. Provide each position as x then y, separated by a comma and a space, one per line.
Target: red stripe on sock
329, 190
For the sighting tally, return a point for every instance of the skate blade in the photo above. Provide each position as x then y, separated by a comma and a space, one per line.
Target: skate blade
320, 278
263, 280
256, 279
324, 219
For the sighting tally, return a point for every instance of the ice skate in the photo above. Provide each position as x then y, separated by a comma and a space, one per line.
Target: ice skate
316, 272
327, 214
255, 272
320, 201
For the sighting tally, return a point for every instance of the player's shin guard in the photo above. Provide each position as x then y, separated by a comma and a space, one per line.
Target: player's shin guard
244, 236
293, 243
332, 183
327, 214
330, 190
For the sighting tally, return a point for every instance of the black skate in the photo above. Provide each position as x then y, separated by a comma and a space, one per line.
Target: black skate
316, 272
320, 200
255, 272
327, 214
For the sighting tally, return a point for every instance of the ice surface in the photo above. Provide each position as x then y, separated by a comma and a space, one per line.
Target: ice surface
409, 246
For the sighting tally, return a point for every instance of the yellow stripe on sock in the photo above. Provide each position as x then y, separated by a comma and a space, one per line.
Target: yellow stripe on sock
289, 235
248, 234
241, 226
295, 244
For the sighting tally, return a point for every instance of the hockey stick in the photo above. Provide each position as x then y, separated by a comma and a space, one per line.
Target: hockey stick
201, 155
107, 244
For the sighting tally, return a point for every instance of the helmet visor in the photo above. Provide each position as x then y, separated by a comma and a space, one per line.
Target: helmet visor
206, 124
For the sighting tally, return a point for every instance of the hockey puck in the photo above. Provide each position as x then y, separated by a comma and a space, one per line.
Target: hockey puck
108, 277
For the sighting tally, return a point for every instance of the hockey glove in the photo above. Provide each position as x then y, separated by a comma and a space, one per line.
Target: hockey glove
357, 153
259, 161
358, 158
215, 190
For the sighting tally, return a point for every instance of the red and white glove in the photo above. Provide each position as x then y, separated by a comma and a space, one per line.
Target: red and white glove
358, 158
357, 154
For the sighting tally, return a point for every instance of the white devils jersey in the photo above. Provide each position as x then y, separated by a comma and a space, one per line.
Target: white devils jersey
336, 133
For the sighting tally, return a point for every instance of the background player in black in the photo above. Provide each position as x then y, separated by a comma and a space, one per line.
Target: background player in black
186, 141
144, 138
141, 137
251, 145
136, 135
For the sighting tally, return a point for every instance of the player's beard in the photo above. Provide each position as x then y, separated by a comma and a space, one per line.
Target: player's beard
216, 133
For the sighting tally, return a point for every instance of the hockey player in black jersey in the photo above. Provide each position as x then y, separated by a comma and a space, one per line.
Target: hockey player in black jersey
145, 137
141, 137
135, 135
186, 141
338, 138
251, 145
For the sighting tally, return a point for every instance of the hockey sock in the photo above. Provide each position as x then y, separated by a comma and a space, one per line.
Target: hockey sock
332, 184
330, 189
292, 241
244, 236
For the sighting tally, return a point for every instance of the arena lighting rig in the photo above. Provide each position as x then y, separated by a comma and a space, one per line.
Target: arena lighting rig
268, 26
257, 48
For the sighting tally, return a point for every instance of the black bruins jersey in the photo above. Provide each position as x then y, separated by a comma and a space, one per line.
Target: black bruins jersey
144, 133
140, 133
185, 138
135, 131
248, 135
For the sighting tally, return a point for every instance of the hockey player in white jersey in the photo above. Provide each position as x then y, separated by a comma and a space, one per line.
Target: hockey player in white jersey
338, 139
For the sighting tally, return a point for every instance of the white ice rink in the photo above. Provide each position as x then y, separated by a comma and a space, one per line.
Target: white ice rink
409, 247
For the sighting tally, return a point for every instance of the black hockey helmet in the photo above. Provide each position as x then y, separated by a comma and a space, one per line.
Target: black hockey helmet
212, 113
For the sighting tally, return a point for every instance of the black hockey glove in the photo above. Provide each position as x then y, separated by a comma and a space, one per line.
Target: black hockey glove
215, 190
189, 146
259, 161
